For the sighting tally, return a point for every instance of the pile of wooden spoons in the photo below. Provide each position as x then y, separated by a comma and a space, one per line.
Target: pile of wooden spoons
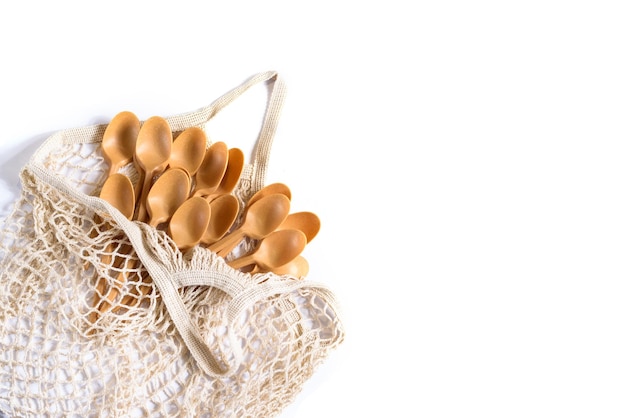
185, 187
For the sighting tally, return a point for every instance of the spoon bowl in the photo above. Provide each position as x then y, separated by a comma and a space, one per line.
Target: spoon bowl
231, 175
118, 142
189, 222
211, 171
118, 191
152, 153
167, 194
307, 222
188, 150
277, 249
274, 188
224, 211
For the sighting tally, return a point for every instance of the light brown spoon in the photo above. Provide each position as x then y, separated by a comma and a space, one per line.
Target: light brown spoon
118, 191
307, 222
298, 267
189, 222
186, 227
188, 150
277, 249
165, 197
152, 153
118, 142
231, 175
167, 193
224, 211
274, 188
260, 220
212, 169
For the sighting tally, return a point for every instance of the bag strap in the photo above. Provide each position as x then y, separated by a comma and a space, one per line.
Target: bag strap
200, 118
263, 145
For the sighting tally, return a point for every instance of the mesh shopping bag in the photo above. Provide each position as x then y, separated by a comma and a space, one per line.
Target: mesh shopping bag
205, 340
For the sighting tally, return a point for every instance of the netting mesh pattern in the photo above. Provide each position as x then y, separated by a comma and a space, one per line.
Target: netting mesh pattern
61, 356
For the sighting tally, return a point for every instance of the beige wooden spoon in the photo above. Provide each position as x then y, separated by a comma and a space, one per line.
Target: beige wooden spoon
260, 220
298, 267
274, 188
224, 211
165, 197
188, 150
277, 249
152, 153
167, 194
118, 142
212, 169
231, 175
307, 222
189, 222
186, 226
118, 191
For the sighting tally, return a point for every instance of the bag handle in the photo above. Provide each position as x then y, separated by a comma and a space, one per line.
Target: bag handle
263, 145
200, 117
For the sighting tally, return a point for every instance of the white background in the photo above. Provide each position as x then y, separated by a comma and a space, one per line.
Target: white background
467, 160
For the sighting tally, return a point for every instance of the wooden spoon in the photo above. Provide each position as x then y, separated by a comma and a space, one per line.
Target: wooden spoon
186, 227
307, 222
231, 175
274, 188
152, 153
298, 267
260, 220
212, 169
188, 150
118, 142
118, 191
277, 249
167, 194
224, 211
189, 222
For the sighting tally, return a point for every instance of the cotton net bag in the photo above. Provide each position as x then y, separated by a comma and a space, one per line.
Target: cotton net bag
205, 341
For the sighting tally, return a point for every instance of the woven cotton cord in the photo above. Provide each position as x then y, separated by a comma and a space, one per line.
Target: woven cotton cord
244, 289
203, 116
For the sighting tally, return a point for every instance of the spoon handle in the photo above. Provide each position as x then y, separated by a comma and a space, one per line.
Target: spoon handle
134, 296
242, 262
227, 243
141, 213
103, 304
139, 187
101, 285
100, 288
